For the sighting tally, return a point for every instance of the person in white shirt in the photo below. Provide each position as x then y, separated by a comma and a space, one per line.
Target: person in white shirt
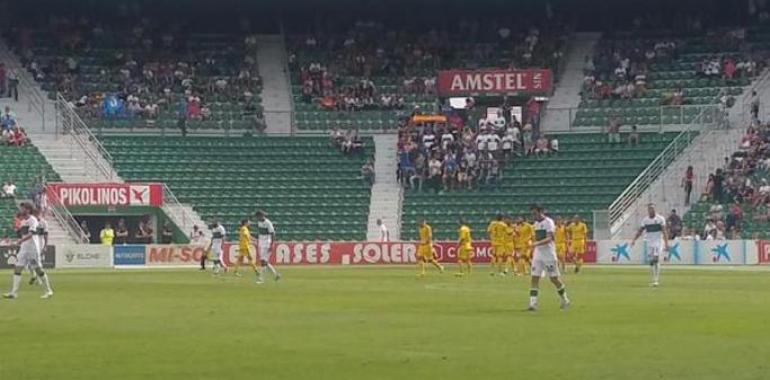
265, 240
544, 259
9, 190
29, 253
497, 122
446, 139
384, 234
481, 141
493, 145
428, 139
218, 235
654, 229
507, 144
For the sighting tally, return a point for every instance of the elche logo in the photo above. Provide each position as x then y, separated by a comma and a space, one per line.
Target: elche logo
10, 256
620, 251
140, 194
719, 252
69, 256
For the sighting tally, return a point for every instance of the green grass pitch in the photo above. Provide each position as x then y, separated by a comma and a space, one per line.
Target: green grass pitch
383, 323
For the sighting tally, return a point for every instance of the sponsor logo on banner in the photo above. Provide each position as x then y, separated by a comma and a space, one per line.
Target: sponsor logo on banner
176, 254
107, 194
620, 252
464, 82
83, 256
9, 253
129, 254
721, 252
764, 251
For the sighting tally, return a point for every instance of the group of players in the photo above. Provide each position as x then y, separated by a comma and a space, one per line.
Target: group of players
265, 236
530, 246
511, 242
33, 238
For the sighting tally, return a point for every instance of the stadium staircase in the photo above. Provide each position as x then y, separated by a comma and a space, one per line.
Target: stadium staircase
567, 93
276, 90
387, 193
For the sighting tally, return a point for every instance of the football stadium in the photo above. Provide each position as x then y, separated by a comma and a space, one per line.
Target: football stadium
339, 189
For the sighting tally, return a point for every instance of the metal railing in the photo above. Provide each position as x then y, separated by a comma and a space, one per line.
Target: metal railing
27, 88
658, 166
65, 218
171, 203
69, 123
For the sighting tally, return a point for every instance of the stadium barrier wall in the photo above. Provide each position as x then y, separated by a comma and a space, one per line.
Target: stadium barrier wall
84, 256
8, 256
687, 252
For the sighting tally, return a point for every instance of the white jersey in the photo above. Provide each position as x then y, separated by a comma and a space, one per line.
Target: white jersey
29, 246
653, 230
542, 228
41, 233
218, 234
265, 232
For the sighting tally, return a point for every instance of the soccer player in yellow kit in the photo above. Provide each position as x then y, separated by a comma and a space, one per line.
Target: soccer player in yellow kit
560, 239
425, 249
577, 234
244, 247
496, 235
464, 249
524, 236
509, 237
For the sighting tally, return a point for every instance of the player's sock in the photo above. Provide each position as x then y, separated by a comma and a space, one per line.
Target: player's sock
15, 284
533, 297
492, 265
655, 272
46, 284
578, 265
272, 270
203, 262
562, 291
437, 265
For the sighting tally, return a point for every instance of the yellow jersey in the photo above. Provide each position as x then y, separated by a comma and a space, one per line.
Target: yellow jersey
560, 235
496, 230
525, 234
464, 237
510, 235
244, 238
426, 235
578, 231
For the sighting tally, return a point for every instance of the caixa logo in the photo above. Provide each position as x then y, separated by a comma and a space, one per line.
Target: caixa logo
381, 253
720, 252
620, 252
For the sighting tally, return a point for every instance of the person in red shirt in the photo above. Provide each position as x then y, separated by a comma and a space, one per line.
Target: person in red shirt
17, 137
729, 68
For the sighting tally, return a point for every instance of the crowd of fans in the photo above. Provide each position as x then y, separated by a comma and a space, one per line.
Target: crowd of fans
11, 133
741, 182
619, 70
369, 50
444, 157
145, 71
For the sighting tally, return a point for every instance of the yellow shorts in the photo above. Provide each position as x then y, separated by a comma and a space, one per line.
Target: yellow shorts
507, 251
498, 250
578, 247
244, 252
561, 250
524, 252
425, 252
465, 254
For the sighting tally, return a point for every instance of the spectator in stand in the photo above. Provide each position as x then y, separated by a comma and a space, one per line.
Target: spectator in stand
754, 106
687, 182
633, 137
508, 143
493, 145
367, 173
554, 145
167, 234
17, 136
121, 233
434, 173
735, 216
3, 78
527, 135
107, 234
8, 190
13, 85
674, 224
613, 130
541, 146
8, 119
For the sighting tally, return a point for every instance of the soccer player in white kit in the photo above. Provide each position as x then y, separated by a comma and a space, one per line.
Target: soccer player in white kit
218, 234
29, 254
265, 238
544, 259
42, 238
654, 229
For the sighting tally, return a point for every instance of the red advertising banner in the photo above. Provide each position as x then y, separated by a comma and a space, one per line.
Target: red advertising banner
173, 254
107, 194
763, 251
465, 82
363, 253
